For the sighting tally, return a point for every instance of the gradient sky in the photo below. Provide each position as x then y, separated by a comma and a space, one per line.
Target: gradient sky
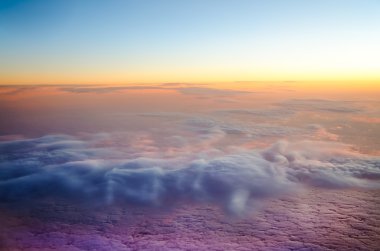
115, 41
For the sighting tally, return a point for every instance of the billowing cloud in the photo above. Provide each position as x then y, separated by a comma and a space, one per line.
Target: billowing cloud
60, 166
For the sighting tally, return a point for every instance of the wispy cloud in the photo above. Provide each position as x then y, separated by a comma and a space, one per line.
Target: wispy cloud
321, 105
187, 89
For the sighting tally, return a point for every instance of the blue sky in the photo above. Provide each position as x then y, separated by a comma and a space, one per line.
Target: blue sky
148, 40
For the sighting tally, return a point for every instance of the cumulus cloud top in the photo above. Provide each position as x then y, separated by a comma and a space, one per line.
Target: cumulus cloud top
67, 167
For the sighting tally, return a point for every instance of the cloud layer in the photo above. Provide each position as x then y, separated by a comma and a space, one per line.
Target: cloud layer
61, 166
322, 105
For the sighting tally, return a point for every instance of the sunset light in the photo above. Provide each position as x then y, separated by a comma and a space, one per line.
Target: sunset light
197, 125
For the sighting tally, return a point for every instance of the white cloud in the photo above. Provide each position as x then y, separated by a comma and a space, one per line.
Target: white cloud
62, 166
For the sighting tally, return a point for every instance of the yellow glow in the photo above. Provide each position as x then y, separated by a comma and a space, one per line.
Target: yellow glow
189, 76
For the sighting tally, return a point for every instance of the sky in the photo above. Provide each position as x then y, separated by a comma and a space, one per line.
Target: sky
147, 41
189, 124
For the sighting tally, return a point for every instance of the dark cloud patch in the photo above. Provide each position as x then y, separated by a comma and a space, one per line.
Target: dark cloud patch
166, 115
186, 89
264, 113
210, 91
106, 89
181, 85
16, 89
60, 166
12, 90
